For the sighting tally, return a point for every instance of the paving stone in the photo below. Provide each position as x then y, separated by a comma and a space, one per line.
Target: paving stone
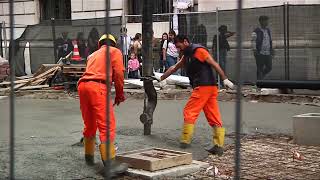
170, 172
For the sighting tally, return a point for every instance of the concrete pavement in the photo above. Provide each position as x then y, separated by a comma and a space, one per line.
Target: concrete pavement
46, 130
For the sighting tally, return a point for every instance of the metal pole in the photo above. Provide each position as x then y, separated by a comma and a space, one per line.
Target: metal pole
108, 84
218, 50
170, 19
1, 41
53, 29
124, 39
238, 99
151, 95
12, 95
284, 40
5, 40
288, 45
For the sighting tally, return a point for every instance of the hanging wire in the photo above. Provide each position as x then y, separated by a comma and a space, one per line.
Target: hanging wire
12, 95
238, 99
108, 84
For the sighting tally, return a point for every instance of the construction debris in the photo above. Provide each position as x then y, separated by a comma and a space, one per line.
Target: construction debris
39, 80
4, 69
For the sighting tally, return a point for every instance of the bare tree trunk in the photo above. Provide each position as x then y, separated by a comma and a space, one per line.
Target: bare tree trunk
150, 101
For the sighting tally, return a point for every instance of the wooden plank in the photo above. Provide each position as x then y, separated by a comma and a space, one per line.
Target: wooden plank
34, 87
154, 159
52, 71
24, 77
44, 67
16, 82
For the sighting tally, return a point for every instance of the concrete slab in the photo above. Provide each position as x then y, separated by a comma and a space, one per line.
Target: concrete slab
170, 172
306, 129
3, 97
155, 159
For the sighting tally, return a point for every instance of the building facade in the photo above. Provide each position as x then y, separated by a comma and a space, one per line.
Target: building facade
29, 12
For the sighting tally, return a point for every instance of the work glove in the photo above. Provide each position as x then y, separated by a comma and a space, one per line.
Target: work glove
227, 83
118, 100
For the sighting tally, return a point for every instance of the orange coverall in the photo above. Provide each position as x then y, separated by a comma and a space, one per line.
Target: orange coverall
203, 98
92, 92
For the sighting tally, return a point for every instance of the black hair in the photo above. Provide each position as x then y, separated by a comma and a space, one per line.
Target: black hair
263, 18
173, 32
180, 38
123, 30
137, 36
165, 34
222, 28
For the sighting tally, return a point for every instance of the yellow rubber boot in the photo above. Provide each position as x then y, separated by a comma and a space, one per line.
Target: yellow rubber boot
115, 167
89, 148
186, 135
218, 141
103, 151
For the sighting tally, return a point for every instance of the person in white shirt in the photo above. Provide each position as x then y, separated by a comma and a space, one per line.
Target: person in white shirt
169, 50
124, 44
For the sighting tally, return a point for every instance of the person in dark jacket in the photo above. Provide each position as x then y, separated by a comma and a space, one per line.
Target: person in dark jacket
262, 47
81, 45
224, 46
63, 45
93, 39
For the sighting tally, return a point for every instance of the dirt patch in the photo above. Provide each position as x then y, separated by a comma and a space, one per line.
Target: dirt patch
265, 157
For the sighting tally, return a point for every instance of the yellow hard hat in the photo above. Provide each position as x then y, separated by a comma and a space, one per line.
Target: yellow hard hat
110, 37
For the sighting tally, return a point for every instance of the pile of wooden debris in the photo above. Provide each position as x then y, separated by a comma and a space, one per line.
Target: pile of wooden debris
40, 80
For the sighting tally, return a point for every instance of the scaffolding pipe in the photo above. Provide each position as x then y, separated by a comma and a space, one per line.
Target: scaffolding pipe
108, 94
289, 84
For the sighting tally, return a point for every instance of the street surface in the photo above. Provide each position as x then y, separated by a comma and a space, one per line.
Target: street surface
47, 129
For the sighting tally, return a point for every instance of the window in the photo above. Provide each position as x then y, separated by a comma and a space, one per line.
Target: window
159, 7
58, 9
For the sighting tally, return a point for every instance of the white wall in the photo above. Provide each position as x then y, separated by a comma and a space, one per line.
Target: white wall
158, 28
211, 5
25, 13
86, 9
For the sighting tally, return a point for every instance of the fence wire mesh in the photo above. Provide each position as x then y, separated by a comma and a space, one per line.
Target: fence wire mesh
303, 37
299, 25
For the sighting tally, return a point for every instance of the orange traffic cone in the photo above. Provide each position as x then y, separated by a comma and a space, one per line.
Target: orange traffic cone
76, 54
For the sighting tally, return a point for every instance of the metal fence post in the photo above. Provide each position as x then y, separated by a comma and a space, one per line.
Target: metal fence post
108, 94
5, 40
12, 95
239, 94
218, 47
53, 28
288, 45
1, 41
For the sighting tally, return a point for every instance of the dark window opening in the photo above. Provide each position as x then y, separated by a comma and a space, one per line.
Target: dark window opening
159, 7
58, 9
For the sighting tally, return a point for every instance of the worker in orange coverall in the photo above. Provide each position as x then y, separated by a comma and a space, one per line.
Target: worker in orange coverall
92, 91
199, 63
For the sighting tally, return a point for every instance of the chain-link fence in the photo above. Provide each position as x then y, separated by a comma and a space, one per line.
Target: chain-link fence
295, 24
38, 43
